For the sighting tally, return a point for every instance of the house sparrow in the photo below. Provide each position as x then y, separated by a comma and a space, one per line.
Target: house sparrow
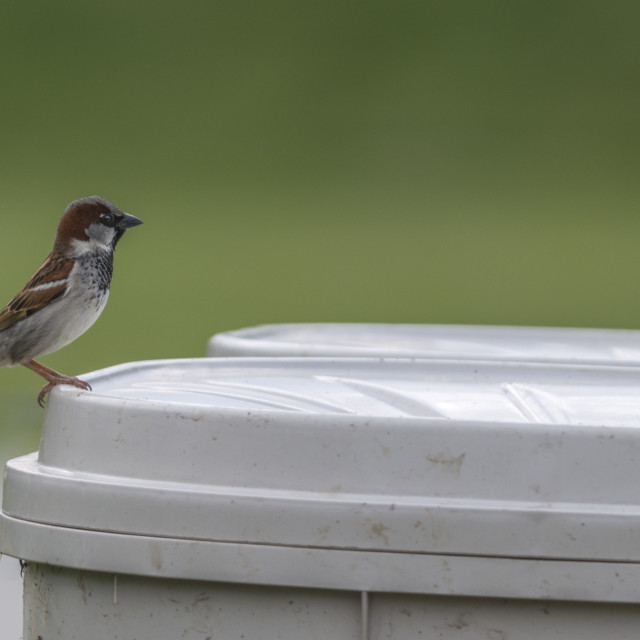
67, 293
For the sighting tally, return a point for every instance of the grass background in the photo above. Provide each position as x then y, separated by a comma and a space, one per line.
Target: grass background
412, 161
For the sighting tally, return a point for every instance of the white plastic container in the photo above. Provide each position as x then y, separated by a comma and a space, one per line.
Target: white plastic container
319, 498
456, 342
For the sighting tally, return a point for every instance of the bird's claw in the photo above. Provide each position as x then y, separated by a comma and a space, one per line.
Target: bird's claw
75, 382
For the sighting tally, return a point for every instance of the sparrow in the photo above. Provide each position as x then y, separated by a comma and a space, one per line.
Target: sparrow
67, 293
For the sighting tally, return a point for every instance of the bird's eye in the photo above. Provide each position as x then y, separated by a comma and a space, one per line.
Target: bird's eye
107, 219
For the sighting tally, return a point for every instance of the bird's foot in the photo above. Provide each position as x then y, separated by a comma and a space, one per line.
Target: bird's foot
53, 379
76, 382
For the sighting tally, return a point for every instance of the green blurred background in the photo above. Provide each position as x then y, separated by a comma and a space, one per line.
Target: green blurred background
448, 162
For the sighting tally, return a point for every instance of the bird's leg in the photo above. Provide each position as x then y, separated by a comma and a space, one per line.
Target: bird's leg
53, 379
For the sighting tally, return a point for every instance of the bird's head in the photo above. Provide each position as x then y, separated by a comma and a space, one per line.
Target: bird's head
92, 224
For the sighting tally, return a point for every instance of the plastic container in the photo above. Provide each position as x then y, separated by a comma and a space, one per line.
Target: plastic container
319, 498
457, 342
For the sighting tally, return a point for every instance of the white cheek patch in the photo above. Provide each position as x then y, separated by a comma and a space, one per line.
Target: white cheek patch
81, 247
100, 233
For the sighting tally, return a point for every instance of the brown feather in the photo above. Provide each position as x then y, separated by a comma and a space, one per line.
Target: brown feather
56, 268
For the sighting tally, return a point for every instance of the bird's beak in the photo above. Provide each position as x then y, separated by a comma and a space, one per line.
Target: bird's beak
128, 221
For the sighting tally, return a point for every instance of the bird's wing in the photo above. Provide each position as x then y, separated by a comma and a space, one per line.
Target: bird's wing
49, 283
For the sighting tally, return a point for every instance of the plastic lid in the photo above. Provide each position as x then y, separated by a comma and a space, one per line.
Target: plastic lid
476, 458
459, 342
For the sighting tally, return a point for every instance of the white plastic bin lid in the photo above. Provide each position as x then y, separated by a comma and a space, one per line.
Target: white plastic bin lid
386, 457
458, 342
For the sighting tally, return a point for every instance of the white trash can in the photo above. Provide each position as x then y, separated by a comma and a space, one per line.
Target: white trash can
457, 342
319, 499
